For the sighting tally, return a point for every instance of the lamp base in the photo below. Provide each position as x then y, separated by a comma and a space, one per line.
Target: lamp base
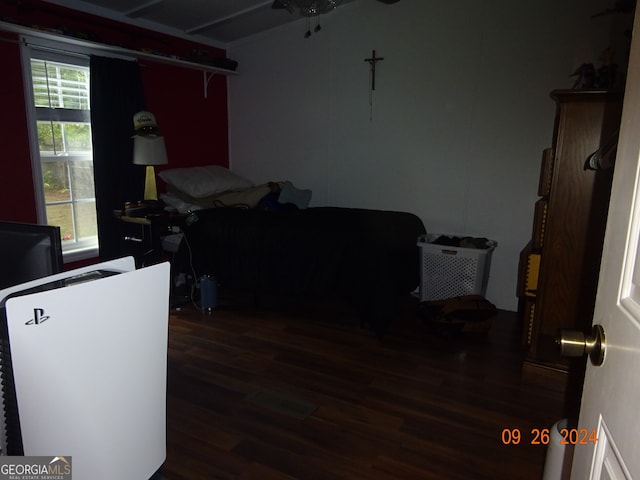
150, 188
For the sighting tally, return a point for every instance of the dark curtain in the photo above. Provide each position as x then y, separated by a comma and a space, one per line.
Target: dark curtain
116, 95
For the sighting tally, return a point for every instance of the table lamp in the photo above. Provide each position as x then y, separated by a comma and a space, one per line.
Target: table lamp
148, 150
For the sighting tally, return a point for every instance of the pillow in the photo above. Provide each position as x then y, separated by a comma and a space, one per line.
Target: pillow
200, 182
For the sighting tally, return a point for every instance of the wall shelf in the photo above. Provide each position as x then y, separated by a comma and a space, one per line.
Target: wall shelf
208, 70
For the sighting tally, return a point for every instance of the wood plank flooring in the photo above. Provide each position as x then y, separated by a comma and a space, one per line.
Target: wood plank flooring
412, 406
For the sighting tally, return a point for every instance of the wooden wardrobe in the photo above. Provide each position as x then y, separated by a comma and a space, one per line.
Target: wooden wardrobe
559, 267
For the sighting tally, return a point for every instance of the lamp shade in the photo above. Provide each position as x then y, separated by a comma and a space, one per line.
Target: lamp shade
149, 150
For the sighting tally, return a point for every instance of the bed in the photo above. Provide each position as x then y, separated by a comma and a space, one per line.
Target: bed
275, 244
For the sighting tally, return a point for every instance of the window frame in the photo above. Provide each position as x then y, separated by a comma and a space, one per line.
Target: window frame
59, 51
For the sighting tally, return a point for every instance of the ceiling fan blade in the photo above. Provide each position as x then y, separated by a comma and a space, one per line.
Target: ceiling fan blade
277, 5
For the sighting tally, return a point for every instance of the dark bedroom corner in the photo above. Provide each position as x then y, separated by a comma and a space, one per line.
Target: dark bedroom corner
306, 239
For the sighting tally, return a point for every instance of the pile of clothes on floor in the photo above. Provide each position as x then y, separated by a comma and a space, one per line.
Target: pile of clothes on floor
452, 317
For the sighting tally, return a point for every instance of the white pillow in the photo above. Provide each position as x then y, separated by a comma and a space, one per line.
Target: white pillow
201, 182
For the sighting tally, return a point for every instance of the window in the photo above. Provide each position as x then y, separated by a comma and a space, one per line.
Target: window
60, 129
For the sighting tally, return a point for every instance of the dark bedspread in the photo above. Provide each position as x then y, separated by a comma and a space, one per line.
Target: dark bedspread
366, 256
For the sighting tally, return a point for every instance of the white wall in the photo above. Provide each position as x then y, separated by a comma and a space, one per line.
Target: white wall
460, 115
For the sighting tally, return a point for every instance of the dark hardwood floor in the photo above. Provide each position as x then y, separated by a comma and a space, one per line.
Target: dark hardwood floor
412, 406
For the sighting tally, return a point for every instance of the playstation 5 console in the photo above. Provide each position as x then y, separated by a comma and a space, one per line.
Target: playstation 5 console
84, 369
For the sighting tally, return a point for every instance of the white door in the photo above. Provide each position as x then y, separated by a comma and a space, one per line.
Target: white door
611, 396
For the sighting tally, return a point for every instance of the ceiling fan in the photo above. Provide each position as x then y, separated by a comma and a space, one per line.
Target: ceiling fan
312, 8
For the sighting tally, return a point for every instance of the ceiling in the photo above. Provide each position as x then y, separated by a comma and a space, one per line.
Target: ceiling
214, 22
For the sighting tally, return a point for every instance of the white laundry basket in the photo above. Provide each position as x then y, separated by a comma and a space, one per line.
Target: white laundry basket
449, 271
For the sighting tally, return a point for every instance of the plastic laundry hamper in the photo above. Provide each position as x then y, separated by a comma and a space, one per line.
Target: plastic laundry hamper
449, 271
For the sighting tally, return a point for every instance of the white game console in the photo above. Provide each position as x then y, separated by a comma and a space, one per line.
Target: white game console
84, 369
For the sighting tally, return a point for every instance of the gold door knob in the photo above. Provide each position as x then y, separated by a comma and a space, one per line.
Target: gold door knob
574, 343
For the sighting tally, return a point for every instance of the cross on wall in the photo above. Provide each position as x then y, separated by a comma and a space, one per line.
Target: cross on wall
372, 62
372, 75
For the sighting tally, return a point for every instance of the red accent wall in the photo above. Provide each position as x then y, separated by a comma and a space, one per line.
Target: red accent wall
16, 183
194, 127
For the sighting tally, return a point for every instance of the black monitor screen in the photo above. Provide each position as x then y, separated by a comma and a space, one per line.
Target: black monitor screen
28, 252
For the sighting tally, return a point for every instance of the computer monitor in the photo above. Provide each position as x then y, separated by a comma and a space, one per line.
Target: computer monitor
28, 252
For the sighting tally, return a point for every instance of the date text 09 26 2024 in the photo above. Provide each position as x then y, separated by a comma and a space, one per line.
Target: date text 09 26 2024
542, 436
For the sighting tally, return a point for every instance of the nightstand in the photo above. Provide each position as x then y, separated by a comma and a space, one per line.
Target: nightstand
146, 239
142, 236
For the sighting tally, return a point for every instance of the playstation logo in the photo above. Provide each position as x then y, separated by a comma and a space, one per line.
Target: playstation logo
38, 317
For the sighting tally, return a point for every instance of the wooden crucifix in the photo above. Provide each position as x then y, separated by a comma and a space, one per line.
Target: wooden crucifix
372, 61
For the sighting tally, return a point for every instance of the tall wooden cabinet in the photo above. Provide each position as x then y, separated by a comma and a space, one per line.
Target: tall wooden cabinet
560, 265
